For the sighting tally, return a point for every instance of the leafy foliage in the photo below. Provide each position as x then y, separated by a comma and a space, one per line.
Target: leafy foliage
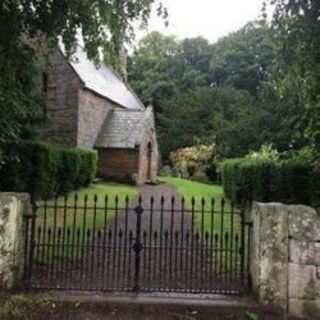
163, 66
45, 170
297, 25
168, 74
224, 116
193, 161
266, 152
290, 181
244, 59
280, 76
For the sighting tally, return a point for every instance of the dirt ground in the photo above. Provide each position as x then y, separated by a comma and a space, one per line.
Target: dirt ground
24, 307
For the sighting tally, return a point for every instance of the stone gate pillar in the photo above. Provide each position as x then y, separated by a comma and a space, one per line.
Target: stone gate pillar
12, 208
285, 264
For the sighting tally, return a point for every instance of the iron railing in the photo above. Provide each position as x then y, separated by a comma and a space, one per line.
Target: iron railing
143, 246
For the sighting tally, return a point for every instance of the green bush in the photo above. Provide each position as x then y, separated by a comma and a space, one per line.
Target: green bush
289, 181
197, 162
45, 170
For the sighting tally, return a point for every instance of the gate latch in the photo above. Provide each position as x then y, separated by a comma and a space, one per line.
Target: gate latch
137, 247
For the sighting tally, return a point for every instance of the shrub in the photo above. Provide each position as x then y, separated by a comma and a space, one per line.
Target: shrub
289, 181
45, 170
195, 162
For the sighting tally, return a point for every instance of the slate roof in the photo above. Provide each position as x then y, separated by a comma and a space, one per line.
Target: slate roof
122, 129
104, 81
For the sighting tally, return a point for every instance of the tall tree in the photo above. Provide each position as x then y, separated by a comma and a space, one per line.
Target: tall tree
163, 66
244, 59
297, 24
154, 69
224, 116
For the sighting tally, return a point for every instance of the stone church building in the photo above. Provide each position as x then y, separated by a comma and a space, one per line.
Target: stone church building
92, 107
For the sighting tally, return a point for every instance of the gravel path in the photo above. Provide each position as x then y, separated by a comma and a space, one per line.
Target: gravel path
157, 218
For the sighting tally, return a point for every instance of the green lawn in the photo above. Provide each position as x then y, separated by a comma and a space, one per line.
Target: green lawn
189, 189
66, 210
66, 225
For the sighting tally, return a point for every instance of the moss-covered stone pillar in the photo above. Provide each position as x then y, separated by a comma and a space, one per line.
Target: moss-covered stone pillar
270, 254
12, 208
285, 265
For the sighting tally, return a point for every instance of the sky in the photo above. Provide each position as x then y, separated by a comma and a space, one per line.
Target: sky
211, 19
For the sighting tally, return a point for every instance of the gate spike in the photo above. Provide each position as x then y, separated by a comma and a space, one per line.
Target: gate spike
193, 201
140, 199
85, 199
207, 235
172, 200
203, 201
116, 200
106, 198
162, 201
155, 234
95, 198
127, 199
222, 202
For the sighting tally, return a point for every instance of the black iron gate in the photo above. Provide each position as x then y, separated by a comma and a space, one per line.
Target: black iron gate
143, 246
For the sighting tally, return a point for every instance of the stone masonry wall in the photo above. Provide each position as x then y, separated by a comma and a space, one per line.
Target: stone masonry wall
286, 258
304, 262
62, 102
118, 164
93, 110
12, 208
148, 136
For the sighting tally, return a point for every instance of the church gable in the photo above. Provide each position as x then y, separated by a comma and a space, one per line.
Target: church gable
104, 81
90, 107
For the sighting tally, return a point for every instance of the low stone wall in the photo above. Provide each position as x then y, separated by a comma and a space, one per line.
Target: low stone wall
286, 258
12, 208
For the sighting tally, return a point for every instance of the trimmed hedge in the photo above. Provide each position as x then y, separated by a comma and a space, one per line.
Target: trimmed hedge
289, 181
45, 170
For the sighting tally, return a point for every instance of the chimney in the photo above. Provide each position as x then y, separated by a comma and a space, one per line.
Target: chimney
123, 64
